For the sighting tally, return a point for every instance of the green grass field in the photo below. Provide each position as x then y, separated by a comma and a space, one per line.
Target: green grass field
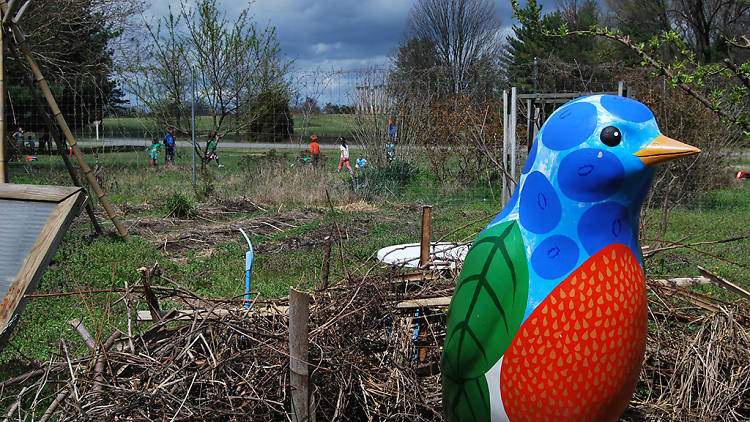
284, 209
326, 125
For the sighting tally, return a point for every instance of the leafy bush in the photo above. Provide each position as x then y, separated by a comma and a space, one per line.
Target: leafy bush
178, 205
385, 180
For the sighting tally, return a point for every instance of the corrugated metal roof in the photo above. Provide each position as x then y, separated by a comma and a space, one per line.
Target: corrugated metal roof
21, 222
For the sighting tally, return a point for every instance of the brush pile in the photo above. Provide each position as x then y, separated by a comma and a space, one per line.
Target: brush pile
228, 363
373, 355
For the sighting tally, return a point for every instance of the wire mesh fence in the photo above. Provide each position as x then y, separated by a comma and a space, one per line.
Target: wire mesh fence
400, 130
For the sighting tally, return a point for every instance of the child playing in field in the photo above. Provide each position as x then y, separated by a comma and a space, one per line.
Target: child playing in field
154, 149
169, 143
361, 162
344, 156
211, 153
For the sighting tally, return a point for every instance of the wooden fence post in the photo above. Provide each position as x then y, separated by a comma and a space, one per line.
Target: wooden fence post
424, 251
299, 372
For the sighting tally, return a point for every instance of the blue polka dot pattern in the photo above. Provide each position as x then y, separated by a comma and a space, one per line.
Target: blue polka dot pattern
539, 209
554, 257
570, 126
590, 175
530, 159
604, 224
626, 109
507, 209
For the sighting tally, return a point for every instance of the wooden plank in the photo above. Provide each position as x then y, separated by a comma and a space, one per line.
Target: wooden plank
433, 302
562, 95
419, 277
37, 192
38, 258
683, 281
724, 283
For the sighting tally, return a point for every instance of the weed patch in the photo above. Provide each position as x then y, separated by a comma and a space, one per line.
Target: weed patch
178, 205
383, 181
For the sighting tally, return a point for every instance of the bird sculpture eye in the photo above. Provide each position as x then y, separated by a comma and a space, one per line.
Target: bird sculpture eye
611, 136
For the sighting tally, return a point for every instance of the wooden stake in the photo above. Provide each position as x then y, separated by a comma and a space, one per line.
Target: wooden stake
424, 250
299, 372
39, 79
153, 302
326, 261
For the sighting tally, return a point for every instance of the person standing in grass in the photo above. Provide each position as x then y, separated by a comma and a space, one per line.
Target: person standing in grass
390, 145
344, 159
169, 142
153, 150
211, 153
314, 150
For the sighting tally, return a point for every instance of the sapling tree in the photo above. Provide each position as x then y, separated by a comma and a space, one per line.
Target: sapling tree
231, 60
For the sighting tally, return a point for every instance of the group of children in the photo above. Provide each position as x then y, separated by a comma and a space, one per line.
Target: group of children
343, 157
169, 143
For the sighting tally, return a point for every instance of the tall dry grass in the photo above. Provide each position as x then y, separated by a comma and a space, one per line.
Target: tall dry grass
277, 183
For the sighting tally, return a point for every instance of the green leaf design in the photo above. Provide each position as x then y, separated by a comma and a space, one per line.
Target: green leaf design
484, 315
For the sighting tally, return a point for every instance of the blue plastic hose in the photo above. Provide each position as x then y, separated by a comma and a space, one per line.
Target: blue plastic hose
248, 268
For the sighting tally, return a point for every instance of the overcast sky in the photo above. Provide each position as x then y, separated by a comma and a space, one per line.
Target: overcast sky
335, 35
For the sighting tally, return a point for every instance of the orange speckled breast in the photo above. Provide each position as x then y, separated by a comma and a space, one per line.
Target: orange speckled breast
578, 355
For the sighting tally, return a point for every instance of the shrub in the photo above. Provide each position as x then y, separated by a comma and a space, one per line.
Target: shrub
385, 180
178, 205
205, 186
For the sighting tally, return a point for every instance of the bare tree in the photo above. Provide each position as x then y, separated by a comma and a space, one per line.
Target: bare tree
465, 35
233, 61
707, 24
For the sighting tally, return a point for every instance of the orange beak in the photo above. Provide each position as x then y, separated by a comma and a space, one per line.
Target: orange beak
663, 149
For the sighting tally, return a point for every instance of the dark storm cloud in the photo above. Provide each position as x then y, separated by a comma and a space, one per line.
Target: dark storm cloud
337, 35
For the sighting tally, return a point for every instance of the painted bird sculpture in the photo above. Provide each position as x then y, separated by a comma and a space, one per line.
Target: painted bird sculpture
548, 319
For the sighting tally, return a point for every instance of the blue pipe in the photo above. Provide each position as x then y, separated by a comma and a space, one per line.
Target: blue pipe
248, 268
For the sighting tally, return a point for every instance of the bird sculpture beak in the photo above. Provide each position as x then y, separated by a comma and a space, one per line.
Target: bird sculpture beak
663, 149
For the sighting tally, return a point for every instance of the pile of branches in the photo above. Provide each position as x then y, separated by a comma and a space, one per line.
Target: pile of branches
370, 358
697, 365
229, 363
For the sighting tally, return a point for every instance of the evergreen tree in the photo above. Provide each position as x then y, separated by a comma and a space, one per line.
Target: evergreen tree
71, 43
564, 64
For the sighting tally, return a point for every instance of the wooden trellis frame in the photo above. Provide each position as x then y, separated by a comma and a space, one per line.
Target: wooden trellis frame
21, 49
535, 116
